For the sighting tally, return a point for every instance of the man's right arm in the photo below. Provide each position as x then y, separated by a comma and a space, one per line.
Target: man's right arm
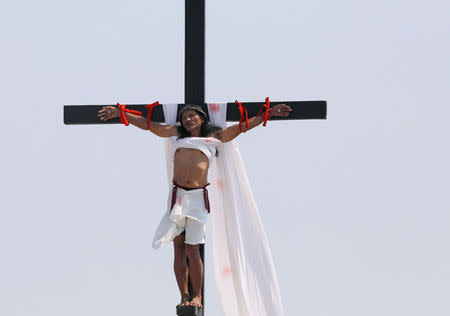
161, 130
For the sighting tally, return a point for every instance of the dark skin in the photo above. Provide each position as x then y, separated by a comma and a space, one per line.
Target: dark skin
190, 170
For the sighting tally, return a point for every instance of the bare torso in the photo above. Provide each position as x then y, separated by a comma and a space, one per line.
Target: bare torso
190, 168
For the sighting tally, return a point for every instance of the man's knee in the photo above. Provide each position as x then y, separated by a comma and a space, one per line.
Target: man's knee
192, 251
178, 246
178, 242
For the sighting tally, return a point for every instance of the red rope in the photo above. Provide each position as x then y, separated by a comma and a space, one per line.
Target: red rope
243, 116
149, 113
174, 195
123, 109
206, 198
266, 115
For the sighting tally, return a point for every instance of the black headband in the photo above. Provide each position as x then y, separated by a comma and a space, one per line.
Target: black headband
196, 108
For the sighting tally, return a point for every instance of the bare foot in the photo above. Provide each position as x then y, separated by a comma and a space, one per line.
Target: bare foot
185, 300
196, 301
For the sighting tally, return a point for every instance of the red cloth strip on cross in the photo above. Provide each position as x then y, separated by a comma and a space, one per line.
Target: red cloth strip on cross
150, 107
123, 109
243, 115
266, 115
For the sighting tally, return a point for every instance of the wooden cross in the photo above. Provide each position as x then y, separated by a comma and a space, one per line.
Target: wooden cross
194, 93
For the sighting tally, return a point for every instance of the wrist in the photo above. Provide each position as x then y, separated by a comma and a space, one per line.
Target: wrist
116, 112
272, 112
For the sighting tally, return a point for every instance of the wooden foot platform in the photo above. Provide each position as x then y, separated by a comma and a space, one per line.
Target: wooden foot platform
189, 311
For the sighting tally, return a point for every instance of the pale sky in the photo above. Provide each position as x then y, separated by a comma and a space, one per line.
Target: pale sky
356, 207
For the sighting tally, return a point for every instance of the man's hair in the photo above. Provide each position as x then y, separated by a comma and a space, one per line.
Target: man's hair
205, 130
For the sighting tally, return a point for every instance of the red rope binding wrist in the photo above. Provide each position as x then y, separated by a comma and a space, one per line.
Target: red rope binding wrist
266, 115
243, 116
149, 112
123, 109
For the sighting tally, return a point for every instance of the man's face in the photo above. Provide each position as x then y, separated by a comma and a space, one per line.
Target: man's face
191, 120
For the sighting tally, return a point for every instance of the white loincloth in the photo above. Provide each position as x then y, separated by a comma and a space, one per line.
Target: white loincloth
188, 213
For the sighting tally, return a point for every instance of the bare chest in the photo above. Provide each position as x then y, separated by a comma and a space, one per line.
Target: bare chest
189, 157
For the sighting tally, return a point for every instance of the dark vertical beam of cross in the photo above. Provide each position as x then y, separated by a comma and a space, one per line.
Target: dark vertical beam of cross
194, 55
194, 81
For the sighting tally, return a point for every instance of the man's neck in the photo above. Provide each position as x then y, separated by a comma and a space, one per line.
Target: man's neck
195, 133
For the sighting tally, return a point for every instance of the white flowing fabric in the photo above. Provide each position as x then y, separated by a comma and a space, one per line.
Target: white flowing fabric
167, 228
243, 265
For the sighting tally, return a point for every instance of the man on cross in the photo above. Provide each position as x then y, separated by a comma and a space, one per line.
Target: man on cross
196, 141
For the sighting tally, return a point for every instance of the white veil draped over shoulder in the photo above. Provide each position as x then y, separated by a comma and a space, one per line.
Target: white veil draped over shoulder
243, 265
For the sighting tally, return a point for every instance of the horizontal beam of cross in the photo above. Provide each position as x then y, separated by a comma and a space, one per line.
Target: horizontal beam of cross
301, 110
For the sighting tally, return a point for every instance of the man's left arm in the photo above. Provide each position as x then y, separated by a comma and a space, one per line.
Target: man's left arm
231, 132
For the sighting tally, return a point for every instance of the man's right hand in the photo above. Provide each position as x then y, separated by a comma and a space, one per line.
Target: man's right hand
108, 112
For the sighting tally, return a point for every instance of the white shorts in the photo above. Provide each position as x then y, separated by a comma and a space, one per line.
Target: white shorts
188, 214
194, 232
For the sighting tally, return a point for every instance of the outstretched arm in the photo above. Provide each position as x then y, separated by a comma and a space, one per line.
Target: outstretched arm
231, 132
161, 130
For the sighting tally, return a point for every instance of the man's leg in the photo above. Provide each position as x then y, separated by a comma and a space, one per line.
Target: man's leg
195, 235
181, 269
195, 273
